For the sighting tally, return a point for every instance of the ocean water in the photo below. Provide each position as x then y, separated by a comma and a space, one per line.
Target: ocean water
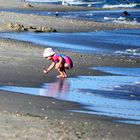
94, 3
110, 10
107, 16
124, 42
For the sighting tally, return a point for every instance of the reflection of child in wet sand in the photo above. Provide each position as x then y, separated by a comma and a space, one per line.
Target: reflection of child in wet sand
59, 89
60, 62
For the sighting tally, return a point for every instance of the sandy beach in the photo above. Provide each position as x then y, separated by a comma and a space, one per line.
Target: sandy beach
57, 23
27, 117
34, 117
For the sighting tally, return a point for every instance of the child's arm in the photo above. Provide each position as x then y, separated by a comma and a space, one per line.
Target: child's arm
60, 62
46, 71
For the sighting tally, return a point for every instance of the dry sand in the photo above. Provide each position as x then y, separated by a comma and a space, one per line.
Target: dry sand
60, 24
26, 117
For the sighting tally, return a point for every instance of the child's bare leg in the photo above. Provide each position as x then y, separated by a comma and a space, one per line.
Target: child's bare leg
61, 72
64, 72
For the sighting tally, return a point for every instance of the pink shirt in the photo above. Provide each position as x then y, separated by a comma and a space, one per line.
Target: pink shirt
66, 59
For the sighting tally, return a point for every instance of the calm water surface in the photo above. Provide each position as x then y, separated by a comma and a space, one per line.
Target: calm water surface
116, 42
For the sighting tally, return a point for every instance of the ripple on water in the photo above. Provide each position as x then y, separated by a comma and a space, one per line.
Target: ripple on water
116, 42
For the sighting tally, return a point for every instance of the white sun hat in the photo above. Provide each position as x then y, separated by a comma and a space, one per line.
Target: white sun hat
48, 52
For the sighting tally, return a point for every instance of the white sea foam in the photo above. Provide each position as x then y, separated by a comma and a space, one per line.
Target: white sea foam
123, 20
69, 2
109, 18
113, 18
120, 6
42, 0
135, 52
137, 82
77, 2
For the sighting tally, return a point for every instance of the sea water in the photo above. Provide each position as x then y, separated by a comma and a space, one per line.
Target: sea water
124, 42
95, 3
110, 10
107, 16
117, 17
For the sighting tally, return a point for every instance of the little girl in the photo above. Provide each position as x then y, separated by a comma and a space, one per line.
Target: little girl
59, 61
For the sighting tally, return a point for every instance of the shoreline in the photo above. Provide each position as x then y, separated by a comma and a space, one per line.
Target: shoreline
30, 57
57, 23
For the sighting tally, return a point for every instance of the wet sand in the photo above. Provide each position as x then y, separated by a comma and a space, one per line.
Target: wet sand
32, 117
21, 64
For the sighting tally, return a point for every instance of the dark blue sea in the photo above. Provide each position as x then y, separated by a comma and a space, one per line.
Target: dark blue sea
120, 42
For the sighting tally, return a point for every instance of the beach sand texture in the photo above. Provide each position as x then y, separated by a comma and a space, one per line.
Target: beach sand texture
27, 117
60, 24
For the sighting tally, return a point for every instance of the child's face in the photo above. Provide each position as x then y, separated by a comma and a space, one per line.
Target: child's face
49, 57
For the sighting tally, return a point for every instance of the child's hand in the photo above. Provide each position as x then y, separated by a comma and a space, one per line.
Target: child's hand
45, 71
